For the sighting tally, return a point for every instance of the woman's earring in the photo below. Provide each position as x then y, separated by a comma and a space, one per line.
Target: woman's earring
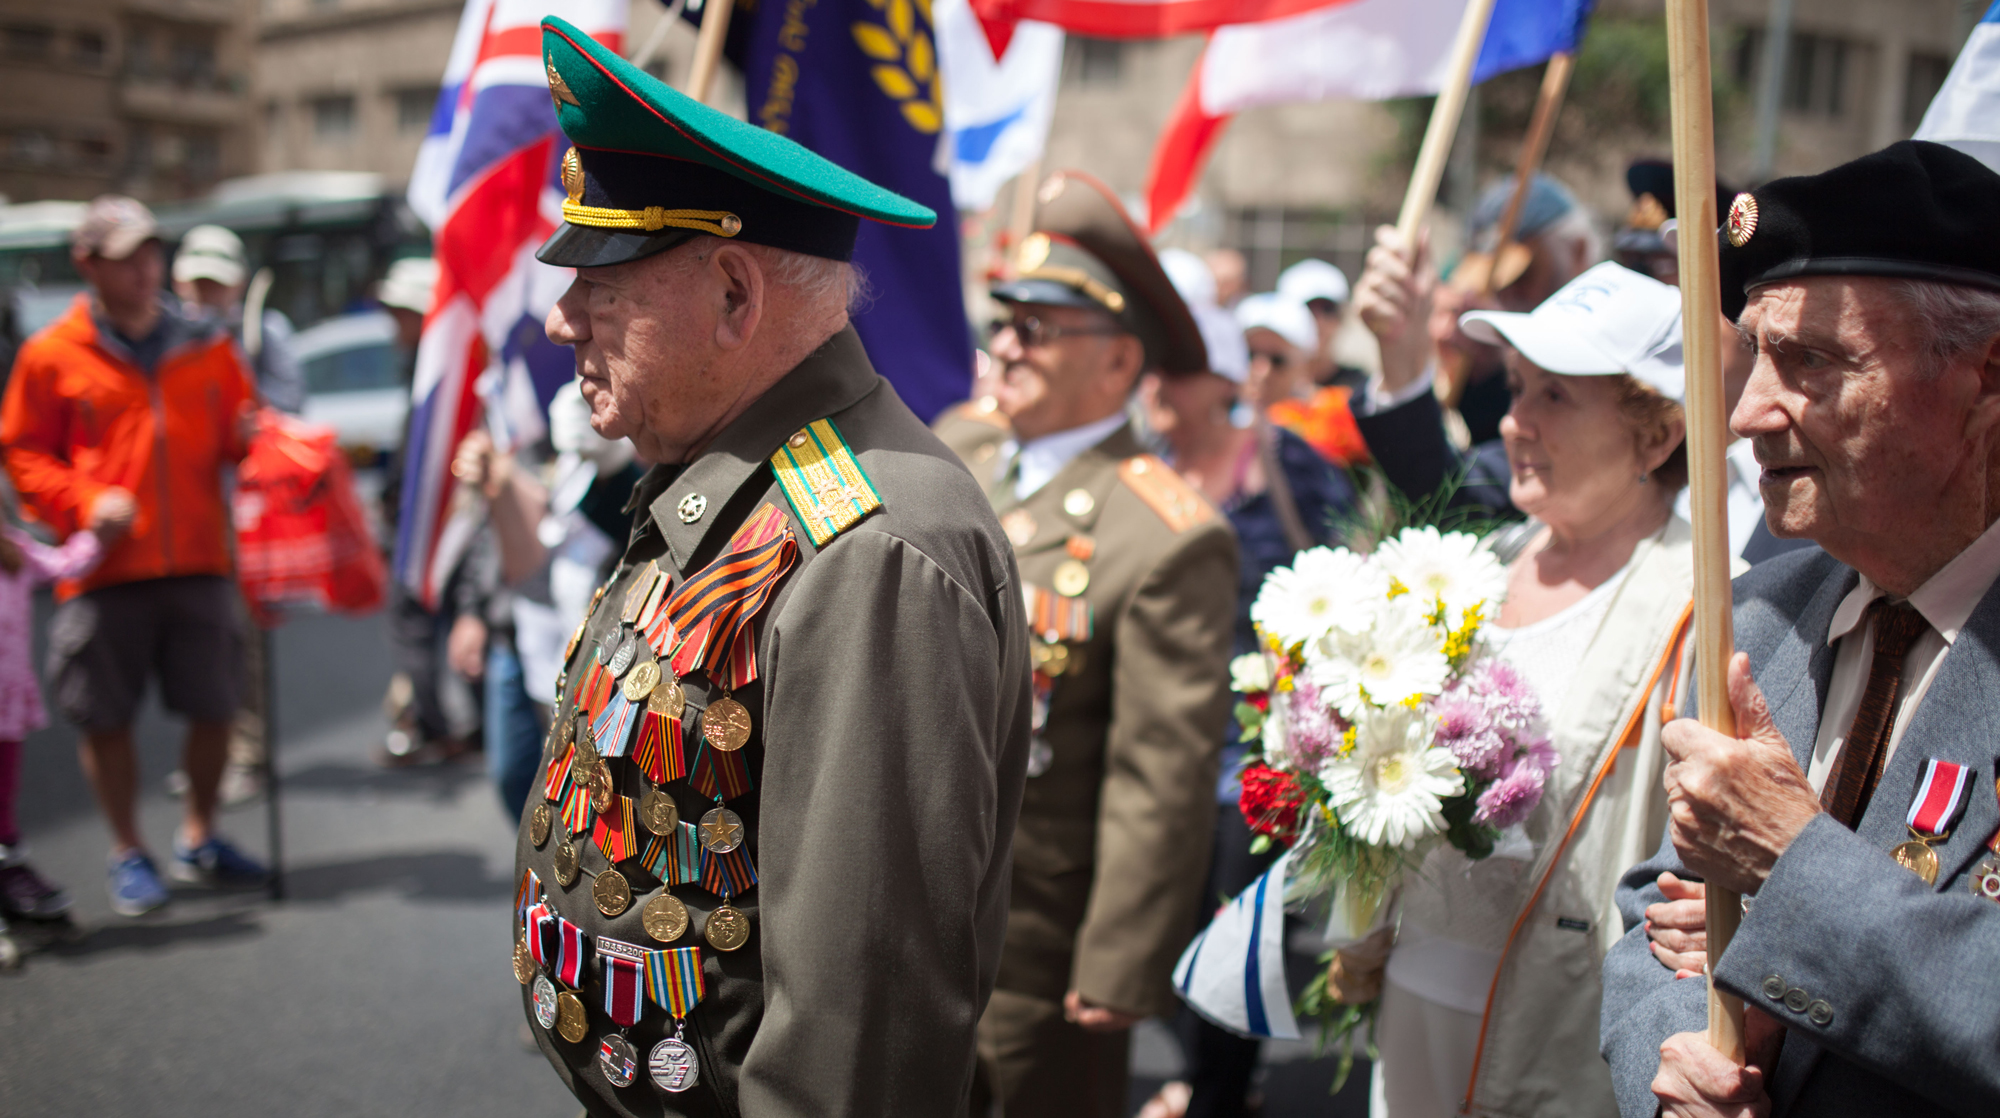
1644, 477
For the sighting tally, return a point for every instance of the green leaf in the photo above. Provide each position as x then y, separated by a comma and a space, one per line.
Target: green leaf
1260, 844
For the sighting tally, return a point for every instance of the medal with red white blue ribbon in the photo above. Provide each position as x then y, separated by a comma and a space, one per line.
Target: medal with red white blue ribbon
1933, 812
572, 953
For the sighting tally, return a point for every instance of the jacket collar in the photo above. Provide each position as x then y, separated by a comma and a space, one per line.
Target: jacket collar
831, 379
1095, 471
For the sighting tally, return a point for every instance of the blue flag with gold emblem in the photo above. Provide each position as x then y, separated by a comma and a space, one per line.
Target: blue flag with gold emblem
857, 82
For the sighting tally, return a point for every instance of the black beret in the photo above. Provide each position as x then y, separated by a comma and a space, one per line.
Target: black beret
1914, 210
1656, 177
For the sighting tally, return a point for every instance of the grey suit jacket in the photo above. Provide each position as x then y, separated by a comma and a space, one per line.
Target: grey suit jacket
1901, 980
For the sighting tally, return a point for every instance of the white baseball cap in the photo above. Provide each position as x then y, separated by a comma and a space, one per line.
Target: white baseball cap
1313, 279
1190, 276
1606, 321
409, 284
1287, 318
210, 252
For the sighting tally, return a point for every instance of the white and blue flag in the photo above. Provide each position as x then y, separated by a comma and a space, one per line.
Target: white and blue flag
1233, 973
1965, 114
996, 111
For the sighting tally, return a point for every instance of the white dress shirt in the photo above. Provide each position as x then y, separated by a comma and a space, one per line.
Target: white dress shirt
1743, 499
1945, 601
1038, 461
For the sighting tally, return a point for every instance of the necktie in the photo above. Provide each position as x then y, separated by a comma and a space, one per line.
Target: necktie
1897, 626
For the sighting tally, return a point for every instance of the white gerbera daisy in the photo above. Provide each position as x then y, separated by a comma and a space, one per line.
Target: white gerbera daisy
1453, 567
1275, 740
1389, 789
1249, 674
1323, 589
1396, 657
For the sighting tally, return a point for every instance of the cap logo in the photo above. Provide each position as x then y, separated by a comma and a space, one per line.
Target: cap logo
558, 88
1741, 224
1034, 252
572, 175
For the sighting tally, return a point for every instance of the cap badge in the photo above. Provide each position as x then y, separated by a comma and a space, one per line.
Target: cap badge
558, 88
572, 173
1034, 252
1741, 224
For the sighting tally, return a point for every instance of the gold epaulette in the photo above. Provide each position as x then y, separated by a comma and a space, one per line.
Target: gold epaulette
823, 481
1165, 492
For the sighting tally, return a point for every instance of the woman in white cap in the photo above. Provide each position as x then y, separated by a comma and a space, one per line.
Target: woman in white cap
1283, 336
1491, 996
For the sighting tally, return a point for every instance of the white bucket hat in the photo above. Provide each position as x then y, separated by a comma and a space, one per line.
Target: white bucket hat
1606, 321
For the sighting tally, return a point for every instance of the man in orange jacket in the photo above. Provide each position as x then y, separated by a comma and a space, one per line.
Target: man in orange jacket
119, 418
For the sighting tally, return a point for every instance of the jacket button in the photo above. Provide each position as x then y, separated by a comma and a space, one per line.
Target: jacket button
1796, 999
1820, 1013
1774, 987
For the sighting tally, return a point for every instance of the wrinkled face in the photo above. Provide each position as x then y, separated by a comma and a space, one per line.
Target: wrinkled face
1572, 453
1060, 367
1859, 442
643, 332
128, 284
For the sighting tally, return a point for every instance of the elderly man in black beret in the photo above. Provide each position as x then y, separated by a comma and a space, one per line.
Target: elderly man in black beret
1857, 809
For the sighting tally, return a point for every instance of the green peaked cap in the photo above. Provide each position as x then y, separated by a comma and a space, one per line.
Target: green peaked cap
640, 144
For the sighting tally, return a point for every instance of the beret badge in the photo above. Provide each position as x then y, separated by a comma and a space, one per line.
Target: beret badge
1741, 223
572, 175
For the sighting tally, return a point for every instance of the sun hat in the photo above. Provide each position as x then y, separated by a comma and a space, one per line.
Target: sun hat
1608, 320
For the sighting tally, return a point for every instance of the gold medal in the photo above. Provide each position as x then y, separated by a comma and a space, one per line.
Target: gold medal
566, 865
1078, 502
665, 918
721, 830
658, 813
1071, 578
611, 893
586, 755
602, 793
571, 1022
726, 724
639, 683
565, 733
524, 963
539, 822
667, 700
1020, 527
1917, 856
726, 929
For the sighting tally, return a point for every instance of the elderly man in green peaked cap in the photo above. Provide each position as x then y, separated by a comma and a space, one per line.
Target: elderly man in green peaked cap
764, 868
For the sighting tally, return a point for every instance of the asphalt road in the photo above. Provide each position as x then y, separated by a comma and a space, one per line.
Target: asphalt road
379, 986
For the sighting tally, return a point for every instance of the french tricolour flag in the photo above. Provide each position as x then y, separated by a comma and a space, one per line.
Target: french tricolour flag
1966, 112
486, 182
1369, 50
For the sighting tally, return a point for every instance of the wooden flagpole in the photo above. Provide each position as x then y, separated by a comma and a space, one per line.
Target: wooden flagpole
1444, 122
708, 49
1534, 146
1707, 434
1021, 218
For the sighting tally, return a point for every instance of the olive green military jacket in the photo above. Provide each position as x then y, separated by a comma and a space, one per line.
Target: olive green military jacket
1116, 830
890, 738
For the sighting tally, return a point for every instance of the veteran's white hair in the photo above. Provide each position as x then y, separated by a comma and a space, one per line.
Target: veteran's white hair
1958, 321
816, 280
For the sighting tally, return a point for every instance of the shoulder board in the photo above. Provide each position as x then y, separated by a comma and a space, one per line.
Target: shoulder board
979, 411
823, 482
1165, 492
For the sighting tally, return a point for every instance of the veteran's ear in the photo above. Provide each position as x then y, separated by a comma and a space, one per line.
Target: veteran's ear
741, 285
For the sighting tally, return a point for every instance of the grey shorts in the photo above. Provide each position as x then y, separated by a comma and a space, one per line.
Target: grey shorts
103, 645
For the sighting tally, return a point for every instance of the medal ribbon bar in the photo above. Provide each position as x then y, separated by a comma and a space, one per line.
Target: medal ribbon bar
659, 753
1940, 798
615, 833
576, 812
674, 979
677, 860
726, 875
573, 956
612, 729
716, 603
720, 774
541, 929
623, 1000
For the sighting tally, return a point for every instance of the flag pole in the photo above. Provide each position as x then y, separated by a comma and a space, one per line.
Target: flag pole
1534, 147
1021, 218
1444, 122
1701, 329
708, 48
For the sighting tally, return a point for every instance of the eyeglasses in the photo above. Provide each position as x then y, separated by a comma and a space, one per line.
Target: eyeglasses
1033, 332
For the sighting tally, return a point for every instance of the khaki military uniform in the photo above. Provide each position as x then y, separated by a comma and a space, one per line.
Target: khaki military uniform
1114, 836
890, 735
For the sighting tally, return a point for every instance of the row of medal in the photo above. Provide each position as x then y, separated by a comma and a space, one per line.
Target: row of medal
552, 956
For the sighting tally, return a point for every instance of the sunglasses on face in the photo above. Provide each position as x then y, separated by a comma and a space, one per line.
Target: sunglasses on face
1033, 332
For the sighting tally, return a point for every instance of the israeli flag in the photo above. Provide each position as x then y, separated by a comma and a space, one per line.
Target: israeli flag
1966, 112
996, 111
1233, 973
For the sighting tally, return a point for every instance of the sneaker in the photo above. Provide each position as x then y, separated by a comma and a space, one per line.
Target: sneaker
29, 895
135, 886
215, 862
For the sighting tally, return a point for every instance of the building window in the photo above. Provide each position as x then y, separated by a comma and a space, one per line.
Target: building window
30, 40
1094, 62
1815, 72
413, 108
89, 49
193, 63
1921, 81
333, 117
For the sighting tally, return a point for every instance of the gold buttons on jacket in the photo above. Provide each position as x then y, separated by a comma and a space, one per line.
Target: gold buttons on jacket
1071, 578
1078, 502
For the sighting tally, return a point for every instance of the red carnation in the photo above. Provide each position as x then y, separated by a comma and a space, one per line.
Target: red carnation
1270, 802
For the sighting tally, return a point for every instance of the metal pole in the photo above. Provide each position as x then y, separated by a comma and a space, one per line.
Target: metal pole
1771, 89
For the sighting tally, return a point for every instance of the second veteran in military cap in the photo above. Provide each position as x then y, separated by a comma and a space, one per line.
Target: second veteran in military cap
1130, 586
764, 869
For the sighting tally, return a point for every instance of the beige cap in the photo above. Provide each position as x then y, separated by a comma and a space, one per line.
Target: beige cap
114, 227
210, 252
408, 284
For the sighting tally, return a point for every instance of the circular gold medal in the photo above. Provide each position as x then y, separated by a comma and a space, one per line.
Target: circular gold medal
571, 1022
611, 893
658, 813
1918, 858
668, 700
1071, 578
602, 793
726, 724
665, 918
539, 822
566, 864
641, 680
566, 733
721, 830
726, 929
586, 755
524, 963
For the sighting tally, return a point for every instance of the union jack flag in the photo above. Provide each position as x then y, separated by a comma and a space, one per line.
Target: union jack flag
487, 183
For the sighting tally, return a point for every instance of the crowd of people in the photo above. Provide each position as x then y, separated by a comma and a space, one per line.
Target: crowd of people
891, 769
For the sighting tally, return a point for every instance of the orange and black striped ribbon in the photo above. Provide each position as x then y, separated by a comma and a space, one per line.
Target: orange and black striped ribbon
715, 606
659, 753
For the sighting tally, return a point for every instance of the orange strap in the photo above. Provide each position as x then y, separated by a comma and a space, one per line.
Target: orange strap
1629, 736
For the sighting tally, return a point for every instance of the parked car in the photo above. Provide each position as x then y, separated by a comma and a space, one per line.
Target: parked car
356, 382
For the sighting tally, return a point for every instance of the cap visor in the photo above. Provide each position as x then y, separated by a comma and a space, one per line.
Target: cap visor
583, 246
121, 243
1043, 292
1551, 347
189, 269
